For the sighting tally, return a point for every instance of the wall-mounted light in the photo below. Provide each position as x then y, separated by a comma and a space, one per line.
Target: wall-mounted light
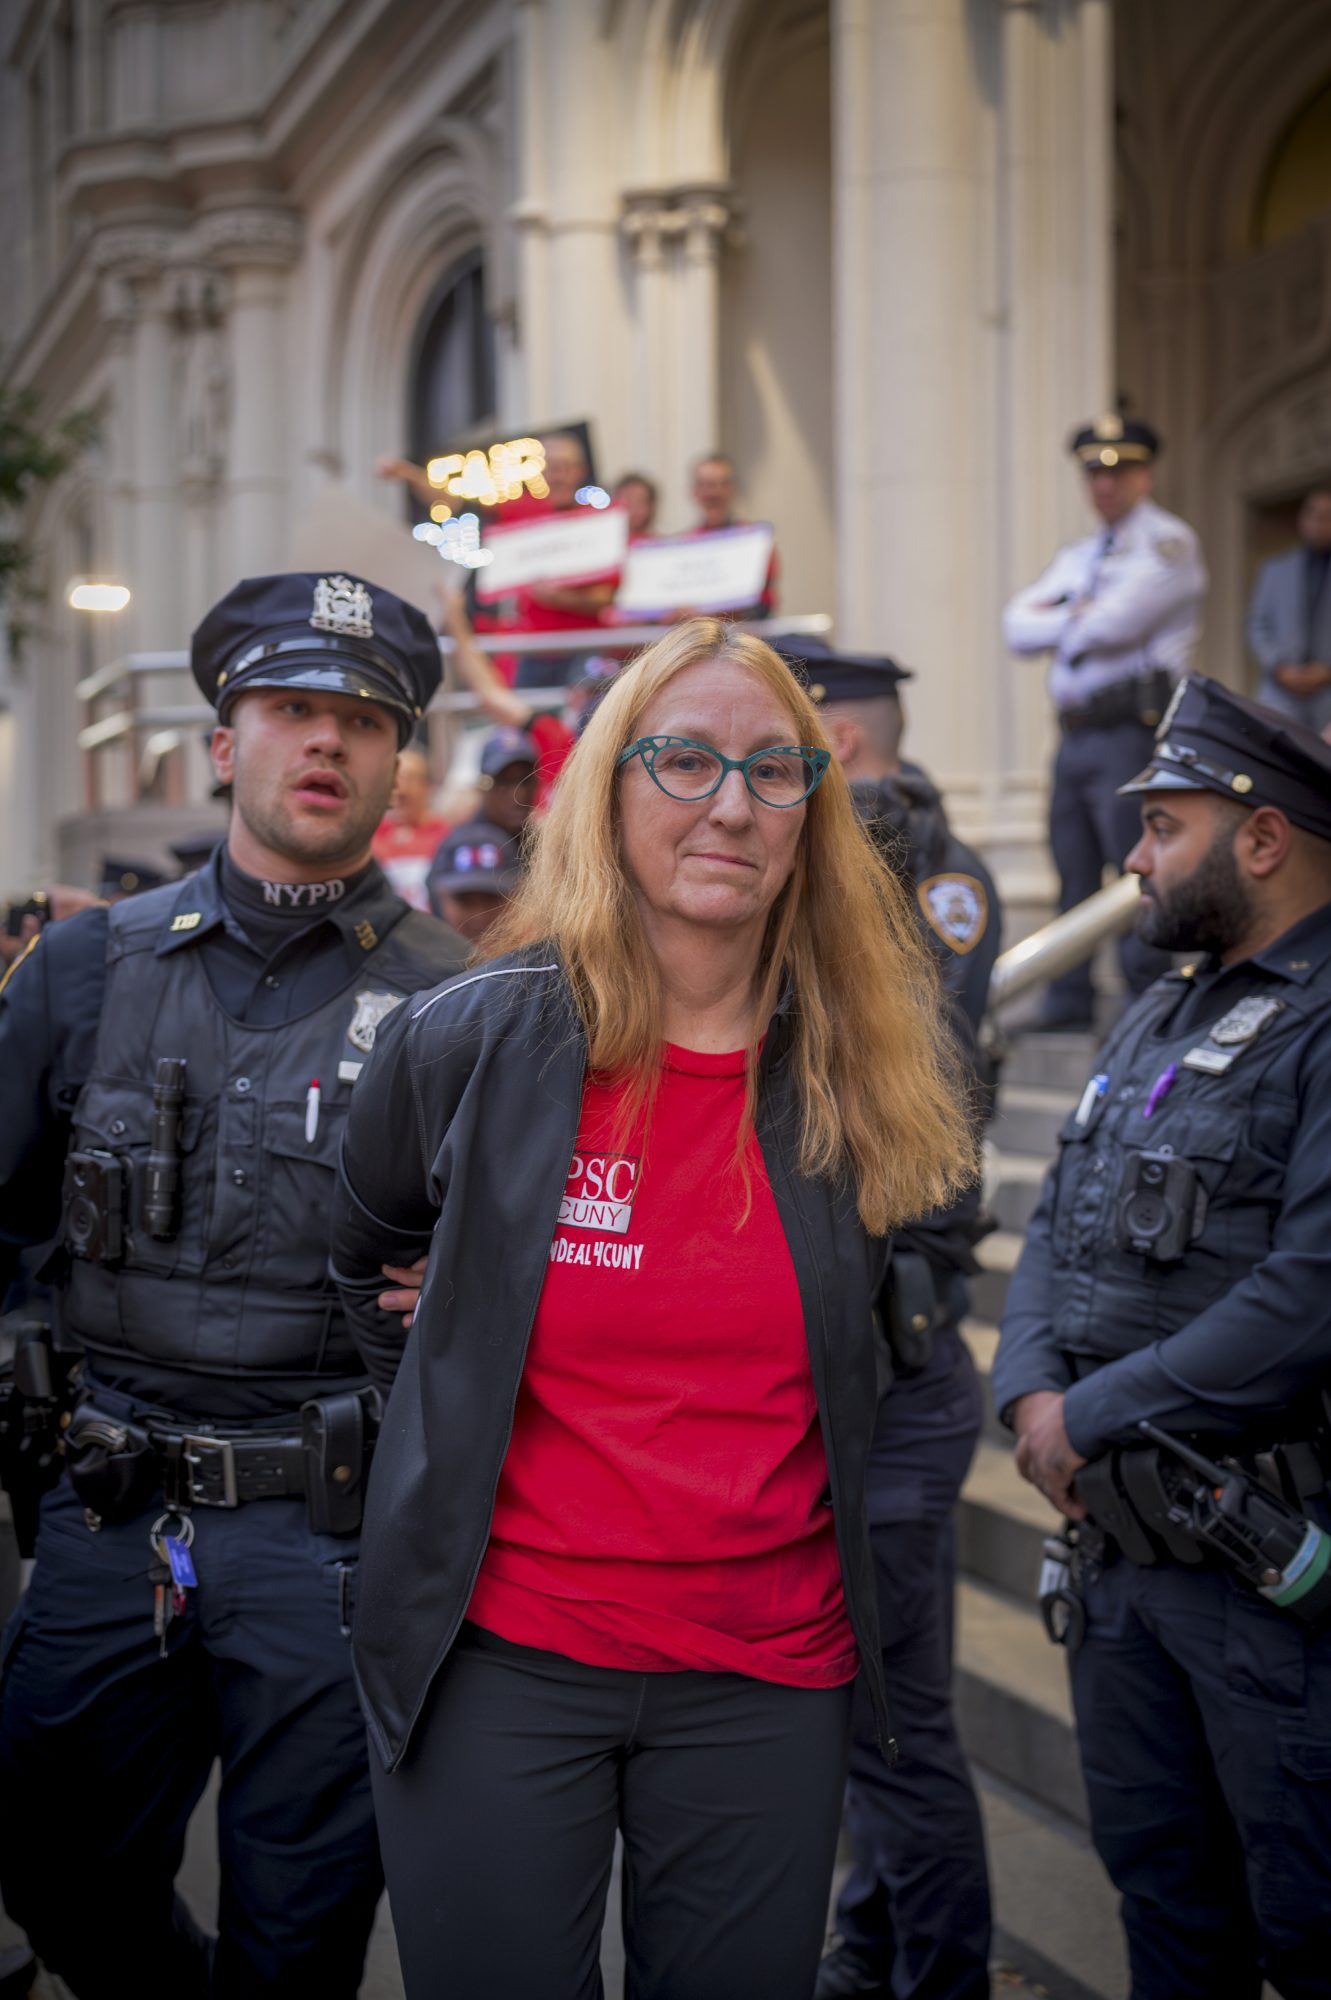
91, 593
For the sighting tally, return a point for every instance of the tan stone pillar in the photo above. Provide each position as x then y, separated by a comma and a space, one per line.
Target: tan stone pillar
910, 402
972, 238
255, 246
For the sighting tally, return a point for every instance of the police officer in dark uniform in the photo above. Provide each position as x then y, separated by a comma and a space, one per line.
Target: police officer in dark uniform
1178, 1272
181, 1066
914, 1916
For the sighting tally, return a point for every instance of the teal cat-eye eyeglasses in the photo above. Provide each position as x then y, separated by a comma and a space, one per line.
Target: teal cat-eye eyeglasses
688, 771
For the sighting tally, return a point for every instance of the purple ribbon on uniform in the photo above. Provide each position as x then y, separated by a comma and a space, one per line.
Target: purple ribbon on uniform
1160, 1090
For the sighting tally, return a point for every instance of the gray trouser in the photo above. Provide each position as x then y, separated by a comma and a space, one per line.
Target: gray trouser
1091, 828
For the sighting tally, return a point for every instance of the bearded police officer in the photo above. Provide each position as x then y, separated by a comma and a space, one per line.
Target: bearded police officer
914, 1916
1178, 1272
182, 1063
1118, 611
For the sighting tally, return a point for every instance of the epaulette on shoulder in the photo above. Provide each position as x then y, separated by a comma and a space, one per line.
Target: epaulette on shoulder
138, 921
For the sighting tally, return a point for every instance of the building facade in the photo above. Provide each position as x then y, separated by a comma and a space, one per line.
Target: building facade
886, 253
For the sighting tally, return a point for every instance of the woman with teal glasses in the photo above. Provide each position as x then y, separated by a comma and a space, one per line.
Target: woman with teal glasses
615, 1570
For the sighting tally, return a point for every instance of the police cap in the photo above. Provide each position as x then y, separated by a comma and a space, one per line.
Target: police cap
836, 676
1114, 440
476, 856
119, 878
1215, 741
505, 747
338, 634
194, 849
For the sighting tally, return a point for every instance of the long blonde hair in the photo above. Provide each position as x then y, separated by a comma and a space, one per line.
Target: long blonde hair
880, 1093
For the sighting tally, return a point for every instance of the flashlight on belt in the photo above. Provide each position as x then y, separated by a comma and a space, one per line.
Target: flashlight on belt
161, 1173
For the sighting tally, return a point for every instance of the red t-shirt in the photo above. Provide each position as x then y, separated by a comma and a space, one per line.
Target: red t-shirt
663, 1501
554, 742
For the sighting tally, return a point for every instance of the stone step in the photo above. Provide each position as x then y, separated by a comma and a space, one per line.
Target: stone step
1014, 1711
1012, 1183
1030, 1117
1053, 1061
996, 1256
1055, 1911
1001, 1524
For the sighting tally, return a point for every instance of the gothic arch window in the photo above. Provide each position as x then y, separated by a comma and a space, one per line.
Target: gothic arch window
1297, 184
453, 373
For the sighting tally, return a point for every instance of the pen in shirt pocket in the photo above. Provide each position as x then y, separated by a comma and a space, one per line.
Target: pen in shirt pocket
1091, 1096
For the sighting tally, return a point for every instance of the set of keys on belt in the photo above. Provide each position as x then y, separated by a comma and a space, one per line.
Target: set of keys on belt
173, 1572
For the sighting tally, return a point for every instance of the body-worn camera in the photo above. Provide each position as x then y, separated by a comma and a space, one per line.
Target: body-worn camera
1161, 1206
94, 1200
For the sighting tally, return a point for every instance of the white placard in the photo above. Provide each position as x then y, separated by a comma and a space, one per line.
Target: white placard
722, 571
577, 545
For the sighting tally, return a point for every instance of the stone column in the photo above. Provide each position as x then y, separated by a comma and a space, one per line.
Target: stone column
530, 382
909, 398
644, 225
202, 424
575, 331
255, 246
676, 236
704, 219
1055, 370
136, 303
972, 309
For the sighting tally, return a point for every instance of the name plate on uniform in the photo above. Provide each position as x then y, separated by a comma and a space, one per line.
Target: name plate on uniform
577, 545
723, 571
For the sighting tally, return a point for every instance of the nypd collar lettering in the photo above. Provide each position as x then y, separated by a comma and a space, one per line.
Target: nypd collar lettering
303, 895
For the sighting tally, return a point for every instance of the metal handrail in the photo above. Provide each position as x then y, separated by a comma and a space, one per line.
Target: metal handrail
1066, 942
589, 639
593, 638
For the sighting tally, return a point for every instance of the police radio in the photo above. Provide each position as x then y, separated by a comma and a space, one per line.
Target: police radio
1269, 1545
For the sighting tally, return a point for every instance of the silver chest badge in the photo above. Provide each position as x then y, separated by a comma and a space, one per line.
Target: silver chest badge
1245, 1022
342, 606
1231, 1035
371, 1009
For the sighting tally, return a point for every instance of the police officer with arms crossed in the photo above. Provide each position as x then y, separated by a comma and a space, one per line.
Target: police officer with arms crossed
914, 1915
1119, 612
184, 1061
1178, 1272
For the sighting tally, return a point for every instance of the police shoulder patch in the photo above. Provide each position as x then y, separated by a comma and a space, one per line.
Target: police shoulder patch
371, 1009
956, 909
1171, 548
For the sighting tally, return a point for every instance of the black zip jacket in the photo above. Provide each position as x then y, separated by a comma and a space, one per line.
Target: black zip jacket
459, 1140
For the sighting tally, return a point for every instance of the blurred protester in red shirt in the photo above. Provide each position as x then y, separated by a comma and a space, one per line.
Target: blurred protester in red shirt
549, 736
558, 607
714, 497
638, 496
409, 834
